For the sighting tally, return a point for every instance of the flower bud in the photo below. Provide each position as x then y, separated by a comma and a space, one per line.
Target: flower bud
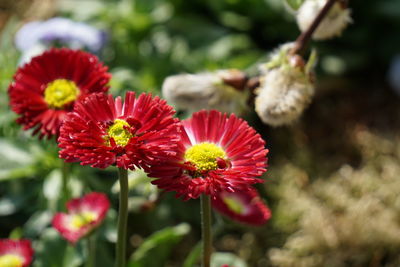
286, 88
221, 90
332, 24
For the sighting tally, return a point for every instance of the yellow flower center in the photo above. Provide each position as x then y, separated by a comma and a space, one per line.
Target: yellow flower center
119, 132
82, 219
204, 156
60, 92
234, 205
11, 260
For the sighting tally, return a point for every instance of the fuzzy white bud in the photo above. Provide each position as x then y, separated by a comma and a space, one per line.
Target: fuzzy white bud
332, 24
286, 88
193, 92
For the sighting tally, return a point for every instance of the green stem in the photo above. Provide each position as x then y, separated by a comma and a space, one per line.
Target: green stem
122, 218
206, 230
91, 251
65, 171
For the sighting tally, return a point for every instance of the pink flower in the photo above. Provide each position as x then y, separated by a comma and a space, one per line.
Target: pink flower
84, 215
15, 253
242, 206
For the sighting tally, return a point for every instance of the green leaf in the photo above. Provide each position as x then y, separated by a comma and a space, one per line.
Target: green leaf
9, 205
52, 188
220, 258
14, 161
294, 4
16, 233
159, 244
37, 223
53, 251
193, 256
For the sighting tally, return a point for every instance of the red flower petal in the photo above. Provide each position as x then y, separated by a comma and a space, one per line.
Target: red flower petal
242, 206
30, 81
20, 248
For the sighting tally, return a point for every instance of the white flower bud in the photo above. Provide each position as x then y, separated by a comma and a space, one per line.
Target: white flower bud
333, 23
193, 92
286, 88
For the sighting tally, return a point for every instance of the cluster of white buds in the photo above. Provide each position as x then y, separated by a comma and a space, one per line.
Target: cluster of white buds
332, 24
222, 90
286, 87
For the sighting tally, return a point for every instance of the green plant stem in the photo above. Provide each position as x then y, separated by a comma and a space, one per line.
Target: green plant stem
91, 251
122, 218
206, 230
65, 174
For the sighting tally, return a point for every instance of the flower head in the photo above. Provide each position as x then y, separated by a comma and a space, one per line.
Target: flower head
47, 88
210, 90
217, 153
15, 253
76, 35
242, 206
286, 87
137, 133
333, 23
84, 215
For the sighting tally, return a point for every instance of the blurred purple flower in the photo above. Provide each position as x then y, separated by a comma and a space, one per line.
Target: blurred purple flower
75, 35
394, 74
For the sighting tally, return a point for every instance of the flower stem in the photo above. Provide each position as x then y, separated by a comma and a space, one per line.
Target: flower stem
91, 251
65, 171
304, 37
122, 218
206, 230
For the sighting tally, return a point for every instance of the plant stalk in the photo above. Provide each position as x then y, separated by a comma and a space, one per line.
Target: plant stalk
91, 251
122, 218
206, 230
65, 174
303, 39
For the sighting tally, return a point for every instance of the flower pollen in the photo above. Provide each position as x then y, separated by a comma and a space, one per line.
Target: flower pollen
119, 131
82, 219
204, 156
11, 260
60, 92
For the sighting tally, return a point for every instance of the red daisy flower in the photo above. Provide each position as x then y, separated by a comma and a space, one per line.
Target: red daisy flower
242, 206
84, 215
15, 253
46, 89
102, 132
217, 153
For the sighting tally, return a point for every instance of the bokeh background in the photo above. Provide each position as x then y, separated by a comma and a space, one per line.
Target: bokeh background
333, 180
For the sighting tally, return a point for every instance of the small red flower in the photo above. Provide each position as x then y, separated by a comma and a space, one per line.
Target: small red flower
46, 89
84, 215
217, 153
102, 132
242, 206
15, 253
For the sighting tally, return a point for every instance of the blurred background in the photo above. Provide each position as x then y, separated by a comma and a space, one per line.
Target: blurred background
333, 180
